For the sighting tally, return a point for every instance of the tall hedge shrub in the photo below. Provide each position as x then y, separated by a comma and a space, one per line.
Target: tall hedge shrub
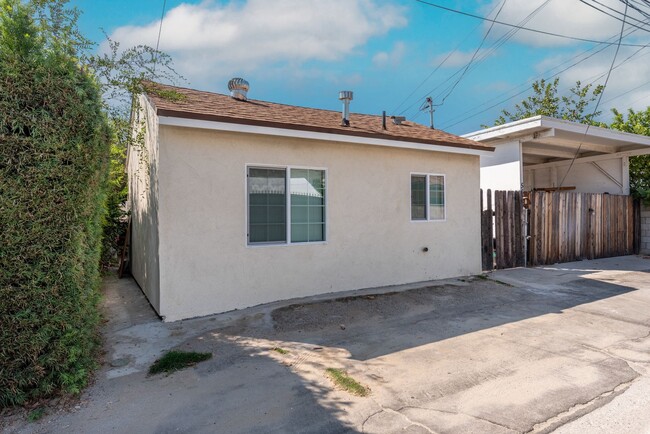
54, 149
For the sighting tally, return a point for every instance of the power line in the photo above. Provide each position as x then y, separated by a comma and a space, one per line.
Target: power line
438, 66
600, 97
482, 57
575, 38
613, 16
473, 56
162, 15
464, 116
507, 36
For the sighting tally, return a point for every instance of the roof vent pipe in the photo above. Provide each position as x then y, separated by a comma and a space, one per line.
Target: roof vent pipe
346, 97
238, 88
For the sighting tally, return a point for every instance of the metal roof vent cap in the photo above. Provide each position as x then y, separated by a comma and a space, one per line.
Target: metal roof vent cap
238, 88
346, 97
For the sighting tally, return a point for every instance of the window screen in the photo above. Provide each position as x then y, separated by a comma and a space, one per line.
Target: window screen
418, 197
428, 197
307, 205
267, 201
268, 219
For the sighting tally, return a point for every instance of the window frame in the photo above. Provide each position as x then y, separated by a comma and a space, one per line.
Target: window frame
287, 188
427, 209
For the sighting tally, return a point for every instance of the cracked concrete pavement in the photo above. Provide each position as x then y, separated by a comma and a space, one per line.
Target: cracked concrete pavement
563, 347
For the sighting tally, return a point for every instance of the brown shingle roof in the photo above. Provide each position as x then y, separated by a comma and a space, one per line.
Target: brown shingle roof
197, 104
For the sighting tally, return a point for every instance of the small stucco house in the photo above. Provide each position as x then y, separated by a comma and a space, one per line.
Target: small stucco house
237, 202
546, 153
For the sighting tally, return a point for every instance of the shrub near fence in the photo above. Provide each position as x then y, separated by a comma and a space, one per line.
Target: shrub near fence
54, 144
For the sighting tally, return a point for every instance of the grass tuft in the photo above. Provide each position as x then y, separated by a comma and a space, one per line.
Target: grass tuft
176, 360
281, 351
36, 414
347, 383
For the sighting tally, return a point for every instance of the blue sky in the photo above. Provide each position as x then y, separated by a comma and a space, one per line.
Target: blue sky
303, 52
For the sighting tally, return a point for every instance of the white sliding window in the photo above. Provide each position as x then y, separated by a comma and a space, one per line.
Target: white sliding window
286, 205
427, 197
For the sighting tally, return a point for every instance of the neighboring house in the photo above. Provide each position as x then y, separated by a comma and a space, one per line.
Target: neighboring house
536, 153
239, 202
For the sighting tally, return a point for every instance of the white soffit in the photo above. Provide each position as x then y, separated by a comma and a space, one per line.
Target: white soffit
269, 131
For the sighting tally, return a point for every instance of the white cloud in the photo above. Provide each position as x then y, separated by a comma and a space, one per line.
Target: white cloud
460, 58
571, 18
211, 40
390, 58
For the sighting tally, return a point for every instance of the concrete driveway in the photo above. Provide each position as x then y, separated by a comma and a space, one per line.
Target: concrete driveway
526, 350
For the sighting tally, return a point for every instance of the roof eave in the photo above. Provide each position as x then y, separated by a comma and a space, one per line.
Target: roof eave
215, 122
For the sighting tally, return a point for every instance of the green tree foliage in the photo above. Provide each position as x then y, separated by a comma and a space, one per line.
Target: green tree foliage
54, 154
637, 123
546, 101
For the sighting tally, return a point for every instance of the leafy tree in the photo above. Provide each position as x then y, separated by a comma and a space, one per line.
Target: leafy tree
637, 123
546, 101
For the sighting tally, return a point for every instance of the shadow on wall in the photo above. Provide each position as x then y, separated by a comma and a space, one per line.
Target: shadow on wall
144, 261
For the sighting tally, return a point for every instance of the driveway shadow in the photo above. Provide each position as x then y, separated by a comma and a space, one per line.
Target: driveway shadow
370, 326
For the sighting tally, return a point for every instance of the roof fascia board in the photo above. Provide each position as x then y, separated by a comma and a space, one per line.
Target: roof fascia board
522, 125
595, 131
590, 159
302, 134
505, 130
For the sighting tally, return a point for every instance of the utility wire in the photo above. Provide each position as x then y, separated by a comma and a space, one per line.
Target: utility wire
524, 28
435, 69
500, 41
473, 57
483, 56
600, 97
473, 113
162, 15
614, 16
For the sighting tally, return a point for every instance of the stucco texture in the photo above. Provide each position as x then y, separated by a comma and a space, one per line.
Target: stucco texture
142, 168
206, 265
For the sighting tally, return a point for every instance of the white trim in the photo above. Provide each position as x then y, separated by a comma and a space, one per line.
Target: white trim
312, 135
615, 156
522, 126
427, 198
287, 189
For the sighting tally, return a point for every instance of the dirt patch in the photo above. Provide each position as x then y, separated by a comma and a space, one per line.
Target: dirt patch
344, 311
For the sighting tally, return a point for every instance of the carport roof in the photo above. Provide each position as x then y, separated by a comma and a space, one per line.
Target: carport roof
545, 139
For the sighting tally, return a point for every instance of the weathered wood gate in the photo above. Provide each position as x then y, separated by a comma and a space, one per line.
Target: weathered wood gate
502, 230
540, 228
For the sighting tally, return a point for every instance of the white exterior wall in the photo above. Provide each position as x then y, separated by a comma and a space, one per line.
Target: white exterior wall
142, 168
584, 176
207, 267
502, 170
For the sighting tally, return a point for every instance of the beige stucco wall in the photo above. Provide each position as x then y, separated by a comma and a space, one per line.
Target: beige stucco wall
142, 168
207, 267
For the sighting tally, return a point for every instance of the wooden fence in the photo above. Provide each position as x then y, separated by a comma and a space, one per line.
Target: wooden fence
540, 228
502, 230
565, 226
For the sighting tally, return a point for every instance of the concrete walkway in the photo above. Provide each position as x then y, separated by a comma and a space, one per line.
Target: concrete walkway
526, 350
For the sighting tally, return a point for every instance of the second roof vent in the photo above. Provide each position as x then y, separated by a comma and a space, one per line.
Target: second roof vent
346, 97
238, 88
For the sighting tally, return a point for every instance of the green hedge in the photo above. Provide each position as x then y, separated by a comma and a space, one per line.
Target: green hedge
54, 147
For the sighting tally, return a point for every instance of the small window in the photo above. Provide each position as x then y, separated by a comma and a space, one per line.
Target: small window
272, 219
427, 197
